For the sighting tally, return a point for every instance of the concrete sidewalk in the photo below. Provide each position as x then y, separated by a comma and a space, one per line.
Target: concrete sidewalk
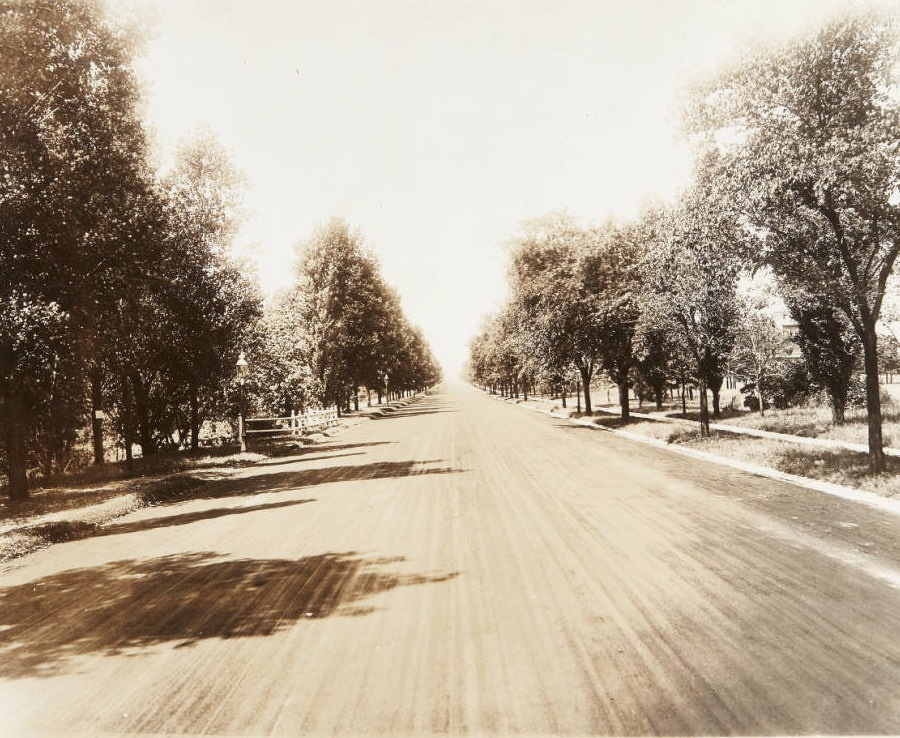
853, 494
724, 427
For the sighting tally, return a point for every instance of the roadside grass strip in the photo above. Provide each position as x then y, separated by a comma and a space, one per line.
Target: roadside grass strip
853, 494
757, 433
871, 499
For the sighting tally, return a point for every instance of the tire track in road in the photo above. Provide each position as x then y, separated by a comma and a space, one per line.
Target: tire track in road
547, 581
567, 538
713, 612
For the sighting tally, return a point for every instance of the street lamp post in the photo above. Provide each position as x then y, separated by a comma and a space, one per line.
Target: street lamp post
242, 368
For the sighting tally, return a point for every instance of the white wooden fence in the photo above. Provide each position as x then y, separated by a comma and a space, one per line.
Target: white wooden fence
296, 424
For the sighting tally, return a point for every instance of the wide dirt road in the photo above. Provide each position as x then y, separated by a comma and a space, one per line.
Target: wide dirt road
464, 566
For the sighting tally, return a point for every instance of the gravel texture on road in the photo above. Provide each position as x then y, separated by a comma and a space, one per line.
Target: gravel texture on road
466, 567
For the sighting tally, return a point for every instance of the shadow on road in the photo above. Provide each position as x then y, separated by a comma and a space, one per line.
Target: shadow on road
126, 606
187, 488
428, 406
297, 458
290, 480
410, 413
329, 447
572, 427
167, 521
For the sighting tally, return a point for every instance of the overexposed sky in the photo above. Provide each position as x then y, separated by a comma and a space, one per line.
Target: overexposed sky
436, 127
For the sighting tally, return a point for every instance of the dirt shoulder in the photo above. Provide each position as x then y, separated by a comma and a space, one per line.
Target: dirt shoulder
74, 507
828, 459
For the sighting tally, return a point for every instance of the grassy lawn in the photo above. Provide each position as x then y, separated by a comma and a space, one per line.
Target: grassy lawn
95, 485
848, 468
815, 422
74, 506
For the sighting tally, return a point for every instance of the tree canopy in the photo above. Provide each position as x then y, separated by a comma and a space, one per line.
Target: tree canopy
813, 169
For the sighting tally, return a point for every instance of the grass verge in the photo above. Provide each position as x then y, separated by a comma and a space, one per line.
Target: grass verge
844, 467
74, 506
837, 466
67, 512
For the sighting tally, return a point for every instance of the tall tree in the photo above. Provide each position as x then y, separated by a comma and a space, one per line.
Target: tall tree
814, 168
287, 380
333, 272
690, 286
550, 278
356, 332
72, 154
758, 350
830, 347
613, 277
214, 309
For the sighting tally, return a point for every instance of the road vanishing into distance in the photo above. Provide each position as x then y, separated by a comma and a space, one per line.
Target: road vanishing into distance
464, 566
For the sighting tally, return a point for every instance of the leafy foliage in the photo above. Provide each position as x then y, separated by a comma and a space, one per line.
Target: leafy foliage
758, 352
73, 155
815, 170
690, 288
341, 328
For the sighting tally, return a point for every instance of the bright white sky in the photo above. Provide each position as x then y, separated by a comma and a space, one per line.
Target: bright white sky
437, 126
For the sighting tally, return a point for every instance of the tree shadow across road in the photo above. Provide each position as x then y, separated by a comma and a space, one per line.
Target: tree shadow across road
294, 459
184, 489
284, 480
126, 606
325, 447
197, 516
427, 406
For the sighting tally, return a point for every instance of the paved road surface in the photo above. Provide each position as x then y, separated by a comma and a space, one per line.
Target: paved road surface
468, 567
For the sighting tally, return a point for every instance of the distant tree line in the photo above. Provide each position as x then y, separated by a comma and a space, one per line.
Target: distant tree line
797, 172
337, 330
121, 310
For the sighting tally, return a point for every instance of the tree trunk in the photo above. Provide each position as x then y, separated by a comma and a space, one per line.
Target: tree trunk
195, 417
586, 385
128, 424
683, 399
877, 463
97, 406
838, 408
715, 386
142, 410
356, 398
16, 450
624, 401
704, 409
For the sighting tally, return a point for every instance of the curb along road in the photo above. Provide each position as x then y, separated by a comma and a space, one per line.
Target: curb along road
757, 433
101, 513
870, 499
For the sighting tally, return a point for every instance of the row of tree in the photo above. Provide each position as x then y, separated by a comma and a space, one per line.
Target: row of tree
120, 303
797, 173
121, 310
339, 328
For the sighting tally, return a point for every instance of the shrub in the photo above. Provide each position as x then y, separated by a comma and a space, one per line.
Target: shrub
792, 386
